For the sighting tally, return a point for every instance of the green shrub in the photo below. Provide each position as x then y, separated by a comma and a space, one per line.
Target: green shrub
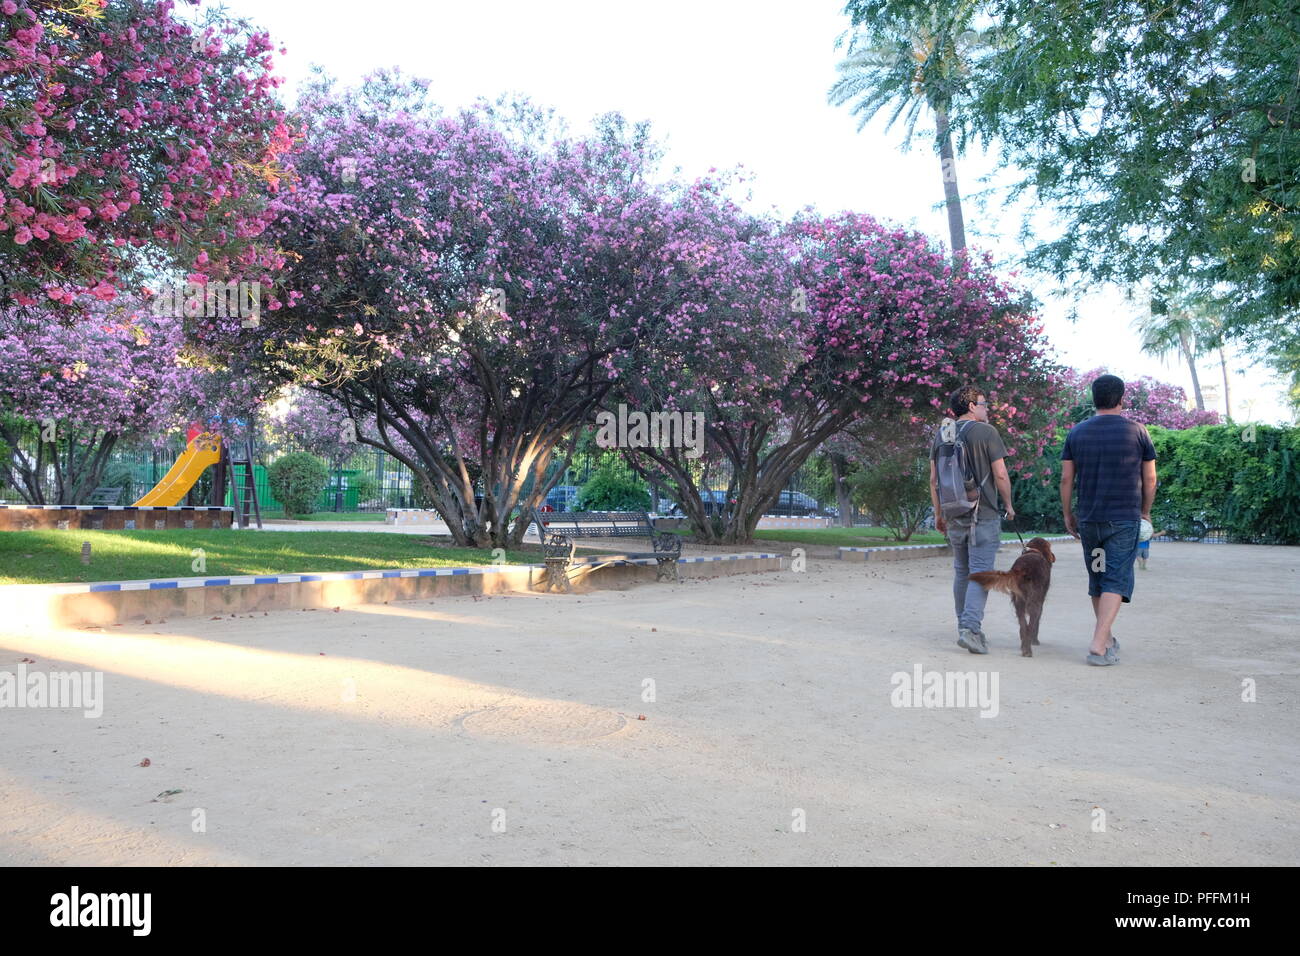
897, 490
1038, 499
297, 480
613, 487
365, 485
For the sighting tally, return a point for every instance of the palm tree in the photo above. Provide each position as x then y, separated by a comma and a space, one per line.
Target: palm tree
1166, 332
1190, 324
1212, 334
910, 61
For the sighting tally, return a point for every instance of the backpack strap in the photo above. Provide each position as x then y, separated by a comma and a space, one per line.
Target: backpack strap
975, 512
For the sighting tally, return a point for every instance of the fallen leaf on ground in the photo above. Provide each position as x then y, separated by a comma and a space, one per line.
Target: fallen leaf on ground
144, 763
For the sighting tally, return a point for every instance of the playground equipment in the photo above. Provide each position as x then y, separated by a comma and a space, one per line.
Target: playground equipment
203, 450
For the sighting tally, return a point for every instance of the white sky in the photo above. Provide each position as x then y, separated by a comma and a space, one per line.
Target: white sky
724, 83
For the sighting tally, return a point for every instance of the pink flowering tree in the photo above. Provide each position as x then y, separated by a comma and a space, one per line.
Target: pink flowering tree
1146, 400
70, 394
891, 326
314, 423
133, 145
476, 284
724, 359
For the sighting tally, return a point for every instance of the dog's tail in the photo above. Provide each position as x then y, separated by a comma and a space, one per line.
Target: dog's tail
998, 581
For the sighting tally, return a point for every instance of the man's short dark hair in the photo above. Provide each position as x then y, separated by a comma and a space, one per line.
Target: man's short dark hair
963, 400
1107, 391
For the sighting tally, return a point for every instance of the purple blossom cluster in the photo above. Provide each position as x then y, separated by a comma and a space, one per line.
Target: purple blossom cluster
1146, 400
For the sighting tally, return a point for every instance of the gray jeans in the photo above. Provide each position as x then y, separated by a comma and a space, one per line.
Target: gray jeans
973, 549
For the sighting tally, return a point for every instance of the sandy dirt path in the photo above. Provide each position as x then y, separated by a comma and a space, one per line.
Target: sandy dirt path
504, 730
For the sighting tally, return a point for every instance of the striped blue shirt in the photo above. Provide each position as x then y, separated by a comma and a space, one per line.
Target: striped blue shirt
1108, 452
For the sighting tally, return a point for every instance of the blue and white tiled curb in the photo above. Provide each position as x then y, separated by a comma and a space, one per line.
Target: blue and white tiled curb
897, 547
934, 548
214, 582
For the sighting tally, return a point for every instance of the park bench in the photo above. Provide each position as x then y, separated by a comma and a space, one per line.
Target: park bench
559, 531
105, 496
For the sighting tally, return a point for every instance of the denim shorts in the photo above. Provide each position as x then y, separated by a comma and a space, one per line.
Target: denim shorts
1109, 548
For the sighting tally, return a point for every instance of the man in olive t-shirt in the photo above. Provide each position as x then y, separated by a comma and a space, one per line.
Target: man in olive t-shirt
975, 539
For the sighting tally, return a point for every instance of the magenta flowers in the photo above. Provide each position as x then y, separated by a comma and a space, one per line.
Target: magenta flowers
131, 142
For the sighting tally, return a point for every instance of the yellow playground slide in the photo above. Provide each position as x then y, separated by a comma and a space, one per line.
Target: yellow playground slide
202, 451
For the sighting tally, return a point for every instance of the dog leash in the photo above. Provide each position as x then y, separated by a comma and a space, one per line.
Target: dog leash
1024, 549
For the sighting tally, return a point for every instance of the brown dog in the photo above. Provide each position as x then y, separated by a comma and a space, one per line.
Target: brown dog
1027, 583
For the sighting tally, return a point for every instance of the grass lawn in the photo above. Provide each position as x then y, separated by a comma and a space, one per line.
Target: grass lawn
43, 557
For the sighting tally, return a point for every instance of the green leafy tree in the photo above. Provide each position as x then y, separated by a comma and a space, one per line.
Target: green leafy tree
1163, 135
897, 490
1243, 481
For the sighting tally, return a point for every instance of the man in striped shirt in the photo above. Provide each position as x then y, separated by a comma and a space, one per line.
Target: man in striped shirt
1114, 463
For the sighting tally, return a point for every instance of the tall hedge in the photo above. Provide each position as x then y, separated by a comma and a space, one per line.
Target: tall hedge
1244, 480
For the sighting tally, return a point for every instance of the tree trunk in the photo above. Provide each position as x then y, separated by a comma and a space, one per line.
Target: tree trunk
1184, 342
948, 166
842, 500
1227, 395
761, 480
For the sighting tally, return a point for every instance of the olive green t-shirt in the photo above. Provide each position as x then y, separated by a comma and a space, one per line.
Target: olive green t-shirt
984, 445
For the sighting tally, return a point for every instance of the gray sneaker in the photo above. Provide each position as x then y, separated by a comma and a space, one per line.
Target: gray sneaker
973, 641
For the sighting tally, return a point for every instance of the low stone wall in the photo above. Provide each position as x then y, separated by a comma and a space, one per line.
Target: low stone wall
400, 516
783, 521
767, 521
121, 602
113, 517
902, 552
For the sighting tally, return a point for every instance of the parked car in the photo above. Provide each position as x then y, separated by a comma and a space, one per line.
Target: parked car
715, 502
795, 503
563, 498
